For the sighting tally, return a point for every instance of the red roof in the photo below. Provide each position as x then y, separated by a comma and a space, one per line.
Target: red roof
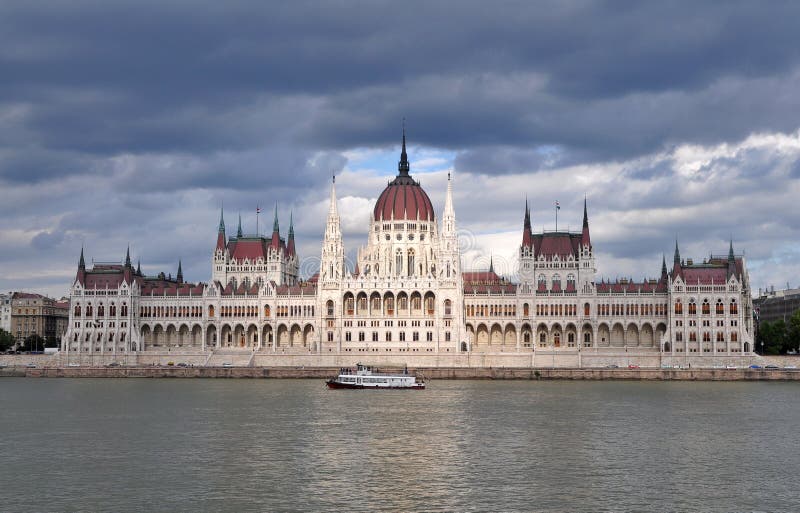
253, 248
404, 201
562, 244
475, 277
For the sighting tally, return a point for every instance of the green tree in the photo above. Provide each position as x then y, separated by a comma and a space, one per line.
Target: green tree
33, 343
772, 335
793, 331
6, 340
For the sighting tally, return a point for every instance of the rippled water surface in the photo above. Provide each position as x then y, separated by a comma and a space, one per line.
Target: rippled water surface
292, 445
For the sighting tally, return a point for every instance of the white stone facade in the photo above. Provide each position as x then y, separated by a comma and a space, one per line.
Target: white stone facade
408, 294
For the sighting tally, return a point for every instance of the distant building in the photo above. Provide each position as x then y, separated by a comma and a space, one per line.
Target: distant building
776, 305
5, 312
35, 314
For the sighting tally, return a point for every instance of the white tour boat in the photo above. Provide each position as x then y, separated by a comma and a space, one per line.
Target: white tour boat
367, 377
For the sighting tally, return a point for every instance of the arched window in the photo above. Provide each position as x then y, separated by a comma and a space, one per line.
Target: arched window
542, 281
678, 307
77, 310
410, 267
398, 262
556, 282
706, 307
734, 308
586, 310
89, 310
267, 311
211, 310
526, 309
329, 306
571, 281
448, 307
720, 307
692, 307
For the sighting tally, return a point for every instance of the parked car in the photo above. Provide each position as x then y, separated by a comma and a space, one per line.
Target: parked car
73, 364
790, 367
612, 366
730, 367
183, 364
113, 364
227, 364
754, 366
31, 366
170, 364
771, 367
632, 366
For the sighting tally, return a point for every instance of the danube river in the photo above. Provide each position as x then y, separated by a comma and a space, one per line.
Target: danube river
292, 445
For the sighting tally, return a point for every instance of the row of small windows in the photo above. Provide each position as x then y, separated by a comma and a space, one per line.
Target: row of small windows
720, 337
252, 311
630, 310
492, 310
101, 311
556, 281
99, 337
171, 311
705, 307
387, 337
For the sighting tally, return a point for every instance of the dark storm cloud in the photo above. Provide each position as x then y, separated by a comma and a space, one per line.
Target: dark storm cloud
133, 121
149, 77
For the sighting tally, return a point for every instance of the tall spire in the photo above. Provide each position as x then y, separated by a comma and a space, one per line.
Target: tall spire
222, 220
403, 166
332, 207
81, 262
239, 228
180, 272
527, 234
139, 267
663, 266
731, 257
128, 257
527, 224
677, 259
491, 264
290, 241
585, 214
275, 227
585, 238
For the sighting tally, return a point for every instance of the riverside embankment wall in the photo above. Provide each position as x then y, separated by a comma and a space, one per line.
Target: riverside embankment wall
428, 373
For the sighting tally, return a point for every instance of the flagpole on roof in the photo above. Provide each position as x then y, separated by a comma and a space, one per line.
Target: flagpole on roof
558, 207
258, 211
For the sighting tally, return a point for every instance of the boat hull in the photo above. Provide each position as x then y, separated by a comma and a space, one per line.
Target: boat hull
333, 384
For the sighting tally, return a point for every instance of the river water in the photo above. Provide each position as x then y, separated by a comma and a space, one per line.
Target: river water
292, 445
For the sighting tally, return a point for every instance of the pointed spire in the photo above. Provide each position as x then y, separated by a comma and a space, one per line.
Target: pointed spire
275, 227
663, 265
290, 243
139, 267
527, 223
586, 240
731, 257
677, 258
221, 220
403, 166
449, 212
81, 262
491, 264
332, 208
128, 257
585, 214
239, 228
180, 272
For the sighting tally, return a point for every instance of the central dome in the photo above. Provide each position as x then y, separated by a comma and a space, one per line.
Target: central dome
403, 198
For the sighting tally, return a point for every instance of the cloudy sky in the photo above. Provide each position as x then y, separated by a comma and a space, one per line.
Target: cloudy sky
133, 122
